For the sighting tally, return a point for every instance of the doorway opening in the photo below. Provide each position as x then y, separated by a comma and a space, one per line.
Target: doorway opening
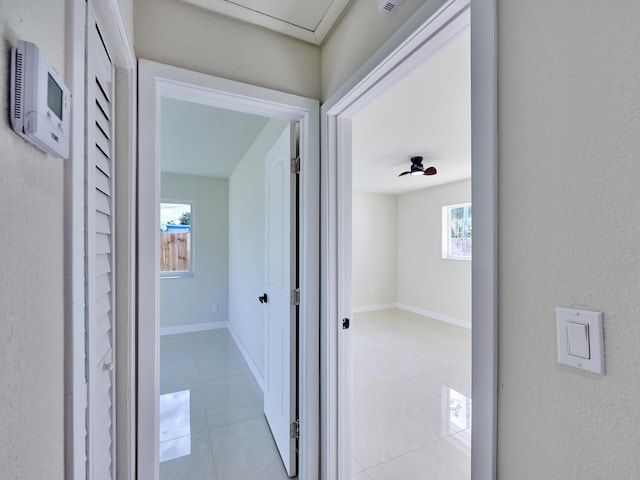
211, 329
412, 46
411, 321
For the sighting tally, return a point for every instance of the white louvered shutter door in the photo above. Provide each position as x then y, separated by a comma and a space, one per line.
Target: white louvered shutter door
99, 256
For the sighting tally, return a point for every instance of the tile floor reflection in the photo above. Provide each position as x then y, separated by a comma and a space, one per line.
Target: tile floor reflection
175, 425
412, 406
411, 415
212, 425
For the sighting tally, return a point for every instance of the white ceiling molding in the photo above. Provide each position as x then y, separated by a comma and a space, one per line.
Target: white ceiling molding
311, 23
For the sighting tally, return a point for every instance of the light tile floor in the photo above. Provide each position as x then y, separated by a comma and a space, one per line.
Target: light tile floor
212, 425
412, 407
411, 399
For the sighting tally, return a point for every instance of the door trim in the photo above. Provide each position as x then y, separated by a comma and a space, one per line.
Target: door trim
429, 29
156, 80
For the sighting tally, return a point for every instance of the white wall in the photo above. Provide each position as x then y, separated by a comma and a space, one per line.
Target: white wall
569, 117
179, 34
188, 300
426, 281
397, 253
31, 268
247, 244
360, 33
374, 249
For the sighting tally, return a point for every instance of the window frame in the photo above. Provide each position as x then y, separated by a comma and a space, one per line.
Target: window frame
446, 229
181, 273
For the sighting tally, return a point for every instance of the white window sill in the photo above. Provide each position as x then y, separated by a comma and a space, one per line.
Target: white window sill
167, 275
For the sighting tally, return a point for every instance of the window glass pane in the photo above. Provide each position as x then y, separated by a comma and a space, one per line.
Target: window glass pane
459, 231
175, 237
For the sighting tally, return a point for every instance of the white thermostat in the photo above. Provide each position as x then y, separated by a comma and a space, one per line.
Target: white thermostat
40, 101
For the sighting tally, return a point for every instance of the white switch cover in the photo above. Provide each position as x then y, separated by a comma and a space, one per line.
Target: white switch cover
580, 339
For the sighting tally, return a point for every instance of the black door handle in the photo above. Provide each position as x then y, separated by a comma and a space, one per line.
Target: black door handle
263, 298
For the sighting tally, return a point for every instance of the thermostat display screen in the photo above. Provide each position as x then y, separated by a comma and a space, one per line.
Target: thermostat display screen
54, 97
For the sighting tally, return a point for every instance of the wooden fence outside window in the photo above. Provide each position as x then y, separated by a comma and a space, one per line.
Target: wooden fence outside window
175, 252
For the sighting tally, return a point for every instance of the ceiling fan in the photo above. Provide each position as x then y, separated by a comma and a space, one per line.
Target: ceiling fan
418, 169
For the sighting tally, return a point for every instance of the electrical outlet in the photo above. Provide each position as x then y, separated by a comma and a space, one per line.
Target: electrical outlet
214, 308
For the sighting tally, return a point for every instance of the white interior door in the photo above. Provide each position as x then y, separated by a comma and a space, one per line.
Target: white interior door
99, 257
280, 395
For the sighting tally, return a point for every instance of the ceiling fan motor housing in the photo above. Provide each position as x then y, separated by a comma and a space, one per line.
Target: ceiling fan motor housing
418, 169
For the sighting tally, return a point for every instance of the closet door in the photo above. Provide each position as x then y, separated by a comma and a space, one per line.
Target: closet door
99, 256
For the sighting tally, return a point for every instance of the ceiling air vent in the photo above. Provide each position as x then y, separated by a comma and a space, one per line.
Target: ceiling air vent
388, 6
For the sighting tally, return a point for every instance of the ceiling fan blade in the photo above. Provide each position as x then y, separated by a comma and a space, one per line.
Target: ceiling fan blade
404, 173
430, 171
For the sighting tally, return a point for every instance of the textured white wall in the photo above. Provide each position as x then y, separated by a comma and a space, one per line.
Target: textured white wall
188, 300
360, 33
247, 243
31, 268
374, 249
179, 34
426, 281
569, 120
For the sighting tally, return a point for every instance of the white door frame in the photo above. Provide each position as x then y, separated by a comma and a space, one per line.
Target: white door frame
429, 29
157, 80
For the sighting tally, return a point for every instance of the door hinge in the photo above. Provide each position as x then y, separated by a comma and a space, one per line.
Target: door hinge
295, 166
295, 429
295, 296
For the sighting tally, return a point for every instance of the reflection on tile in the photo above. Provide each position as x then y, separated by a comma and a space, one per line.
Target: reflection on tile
175, 415
443, 460
458, 409
246, 451
213, 426
387, 425
198, 465
175, 448
361, 476
232, 400
412, 411
178, 363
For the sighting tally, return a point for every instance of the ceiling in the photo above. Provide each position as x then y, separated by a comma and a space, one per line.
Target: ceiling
203, 140
309, 20
428, 113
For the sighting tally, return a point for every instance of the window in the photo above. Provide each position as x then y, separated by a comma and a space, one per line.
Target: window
456, 231
176, 249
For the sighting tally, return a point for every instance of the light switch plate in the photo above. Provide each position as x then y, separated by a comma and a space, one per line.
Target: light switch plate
595, 337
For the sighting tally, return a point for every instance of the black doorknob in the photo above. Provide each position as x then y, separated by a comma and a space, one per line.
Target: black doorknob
263, 298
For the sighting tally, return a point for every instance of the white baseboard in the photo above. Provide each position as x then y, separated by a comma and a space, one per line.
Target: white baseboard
372, 308
247, 357
435, 316
194, 327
